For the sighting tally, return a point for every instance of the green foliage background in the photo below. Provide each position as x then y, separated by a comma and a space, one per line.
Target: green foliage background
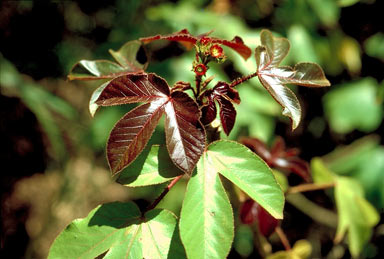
52, 152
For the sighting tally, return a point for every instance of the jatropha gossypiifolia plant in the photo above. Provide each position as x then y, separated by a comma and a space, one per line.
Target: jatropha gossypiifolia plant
205, 227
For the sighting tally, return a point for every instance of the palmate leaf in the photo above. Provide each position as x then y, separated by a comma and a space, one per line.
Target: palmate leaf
118, 230
185, 136
206, 220
188, 40
268, 57
105, 69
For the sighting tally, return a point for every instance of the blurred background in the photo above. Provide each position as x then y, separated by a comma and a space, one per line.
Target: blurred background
52, 153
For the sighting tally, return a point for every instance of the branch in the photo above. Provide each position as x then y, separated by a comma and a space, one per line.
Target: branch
283, 238
241, 80
309, 187
165, 191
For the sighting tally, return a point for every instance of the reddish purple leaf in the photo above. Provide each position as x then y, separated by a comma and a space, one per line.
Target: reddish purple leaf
133, 88
208, 112
131, 134
251, 211
185, 136
274, 78
227, 114
184, 133
279, 157
224, 95
188, 40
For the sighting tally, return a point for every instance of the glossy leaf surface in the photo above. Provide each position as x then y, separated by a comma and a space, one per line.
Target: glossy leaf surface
152, 166
274, 78
224, 95
188, 40
185, 136
206, 220
118, 230
250, 173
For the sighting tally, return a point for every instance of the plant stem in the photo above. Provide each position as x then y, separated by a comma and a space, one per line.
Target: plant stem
162, 195
309, 187
283, 238
242, 79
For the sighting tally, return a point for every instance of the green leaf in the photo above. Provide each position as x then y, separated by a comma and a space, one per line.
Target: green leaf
353, 106
249, 172
118, 229
153, 166
320, 173
126, 55
206, 220
93, 70
374, 46
356, 215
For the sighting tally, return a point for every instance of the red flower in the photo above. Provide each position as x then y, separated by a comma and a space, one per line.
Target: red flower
205, 40
216, 51
200, 69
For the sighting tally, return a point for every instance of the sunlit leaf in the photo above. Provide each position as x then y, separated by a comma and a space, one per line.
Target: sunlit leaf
94, 70
119, 230
274, 78
250, 173
152, 166
185, 136
206, 220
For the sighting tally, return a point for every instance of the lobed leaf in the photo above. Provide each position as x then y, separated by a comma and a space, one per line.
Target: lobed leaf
119, 230
185, 136
274, 78
206, 220
250, 173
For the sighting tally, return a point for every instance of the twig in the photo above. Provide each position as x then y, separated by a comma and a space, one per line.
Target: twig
242, 79
309, 187
165, 191
283, 238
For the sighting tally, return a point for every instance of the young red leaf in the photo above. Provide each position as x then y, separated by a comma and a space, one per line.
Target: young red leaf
188, 40
208, 112
227, 115
274, 78
251, 211
279, 157
131, 134
133, 88
185, 136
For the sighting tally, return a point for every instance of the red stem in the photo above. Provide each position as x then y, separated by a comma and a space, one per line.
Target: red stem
283, 238
242, 79
165, 191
